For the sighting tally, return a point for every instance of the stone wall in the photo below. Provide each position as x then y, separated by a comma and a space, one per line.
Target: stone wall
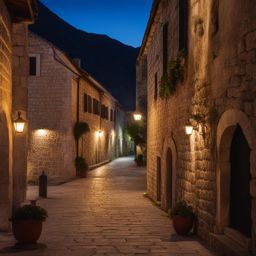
219, 77
19, 96
51, 142
5, 117
52, 111
95, 148
141, 88
13, 98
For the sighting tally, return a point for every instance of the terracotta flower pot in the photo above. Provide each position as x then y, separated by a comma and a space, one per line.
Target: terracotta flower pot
27, 231
182, 225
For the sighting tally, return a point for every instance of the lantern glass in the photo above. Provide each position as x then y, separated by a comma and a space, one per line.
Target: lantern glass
99, 133
137, 116
19, 123
19, 126
188, 129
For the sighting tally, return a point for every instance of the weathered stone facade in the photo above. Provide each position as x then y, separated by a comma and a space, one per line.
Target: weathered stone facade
13, 98
141, 86
51, 115
53, 112
217, 94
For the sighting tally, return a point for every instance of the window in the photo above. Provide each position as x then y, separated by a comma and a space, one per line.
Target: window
85, 102
111, 115
165, 48
183, 25
89, 104
106, 113
34, 65
102, 111
156, 86
96, 109
158, 179
115, 115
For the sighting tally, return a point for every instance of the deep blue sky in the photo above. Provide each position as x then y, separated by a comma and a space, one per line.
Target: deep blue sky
124, 20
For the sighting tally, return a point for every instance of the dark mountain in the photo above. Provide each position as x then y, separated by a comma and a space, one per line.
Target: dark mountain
109, 61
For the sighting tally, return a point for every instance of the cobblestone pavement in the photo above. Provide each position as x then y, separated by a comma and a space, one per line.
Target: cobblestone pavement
105, 214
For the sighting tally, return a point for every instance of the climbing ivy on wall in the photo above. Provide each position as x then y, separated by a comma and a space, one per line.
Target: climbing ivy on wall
175, 73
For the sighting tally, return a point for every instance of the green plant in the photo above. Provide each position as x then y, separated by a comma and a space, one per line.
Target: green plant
81, 164
80, 128
175, 73
30, 212
181, 209
137, 131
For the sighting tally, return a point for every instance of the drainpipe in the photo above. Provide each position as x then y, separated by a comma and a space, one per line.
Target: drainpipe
77, 95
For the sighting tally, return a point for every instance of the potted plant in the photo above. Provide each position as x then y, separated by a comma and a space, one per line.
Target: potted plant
81, 167
182, 217
27, 223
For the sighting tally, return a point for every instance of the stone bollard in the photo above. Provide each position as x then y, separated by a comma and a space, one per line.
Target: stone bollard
43, 185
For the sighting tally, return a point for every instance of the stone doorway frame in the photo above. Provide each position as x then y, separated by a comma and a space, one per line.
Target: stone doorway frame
5, 173
225, 130
169, 143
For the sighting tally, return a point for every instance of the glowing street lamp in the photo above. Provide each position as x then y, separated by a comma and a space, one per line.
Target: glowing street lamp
19, 123
99, 133
189, 129
137, 116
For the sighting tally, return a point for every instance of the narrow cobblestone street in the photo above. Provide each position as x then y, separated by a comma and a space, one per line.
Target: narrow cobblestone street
105, 214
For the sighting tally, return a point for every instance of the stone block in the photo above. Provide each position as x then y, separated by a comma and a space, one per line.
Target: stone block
253, 188
248, 108
251, 56
233, 92
251, 70
241, 45
235, 81
251, 41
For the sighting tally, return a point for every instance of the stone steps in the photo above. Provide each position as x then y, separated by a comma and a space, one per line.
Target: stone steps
226, 246
239, 238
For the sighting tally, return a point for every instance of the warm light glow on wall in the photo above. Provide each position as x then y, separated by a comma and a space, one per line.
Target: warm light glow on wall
41, 132
113, 133
99, 133
188, 129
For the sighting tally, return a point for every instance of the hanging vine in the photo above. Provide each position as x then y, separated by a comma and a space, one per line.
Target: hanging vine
174, 75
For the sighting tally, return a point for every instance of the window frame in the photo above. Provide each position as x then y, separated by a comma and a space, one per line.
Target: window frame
38, 64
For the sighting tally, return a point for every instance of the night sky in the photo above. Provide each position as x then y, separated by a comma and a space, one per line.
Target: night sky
124, 20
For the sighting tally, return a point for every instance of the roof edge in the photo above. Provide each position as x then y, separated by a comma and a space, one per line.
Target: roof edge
151, 20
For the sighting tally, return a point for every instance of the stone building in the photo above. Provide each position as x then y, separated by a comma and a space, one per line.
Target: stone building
141, 85
60, 95
15, 16
201, 66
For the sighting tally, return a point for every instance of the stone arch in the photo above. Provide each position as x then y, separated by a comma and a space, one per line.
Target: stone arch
225, 131
5, 177
169, 150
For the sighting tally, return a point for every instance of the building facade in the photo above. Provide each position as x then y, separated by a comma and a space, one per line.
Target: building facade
15, 16
60, 95
201, 67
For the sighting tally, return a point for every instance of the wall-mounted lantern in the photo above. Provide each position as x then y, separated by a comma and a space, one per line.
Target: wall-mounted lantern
99, 133
19, 123
196, 123
189, 129
137, 116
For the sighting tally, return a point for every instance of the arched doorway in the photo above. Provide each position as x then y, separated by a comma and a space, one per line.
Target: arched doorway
240, 199
169, 181
236, 147
5, 205
168, 173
